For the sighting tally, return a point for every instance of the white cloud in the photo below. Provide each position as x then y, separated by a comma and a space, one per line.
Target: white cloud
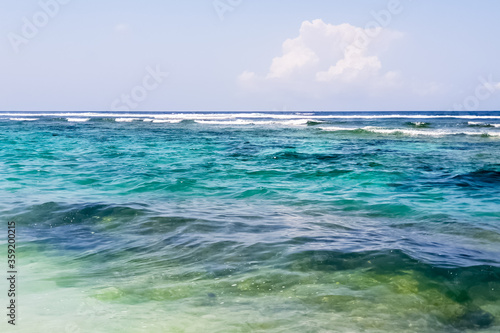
335, 58
246, 75
296, 56
353, 65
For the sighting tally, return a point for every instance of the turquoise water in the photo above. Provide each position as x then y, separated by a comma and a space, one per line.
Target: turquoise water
284, 222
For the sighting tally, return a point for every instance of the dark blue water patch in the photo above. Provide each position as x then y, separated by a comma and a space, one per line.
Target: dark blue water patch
481, 177
52, 214
460, 284
420, 124
76, 228
480, 183
478, 124
315, 123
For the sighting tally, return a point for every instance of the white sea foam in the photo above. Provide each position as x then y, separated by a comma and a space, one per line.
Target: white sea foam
480, 124
291, 122
335, 128
166, 121
125, 120
225, 122
435, 133
301, 122
24, 119
78, 120
419, 123
405, 131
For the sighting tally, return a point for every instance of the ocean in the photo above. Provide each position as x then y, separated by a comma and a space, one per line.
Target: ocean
252, 222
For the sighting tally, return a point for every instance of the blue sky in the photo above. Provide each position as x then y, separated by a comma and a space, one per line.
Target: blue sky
249, 55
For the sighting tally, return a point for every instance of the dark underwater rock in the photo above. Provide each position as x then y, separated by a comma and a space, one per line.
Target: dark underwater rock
476, 319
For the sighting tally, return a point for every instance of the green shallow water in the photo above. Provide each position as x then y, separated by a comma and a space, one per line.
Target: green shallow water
140, 227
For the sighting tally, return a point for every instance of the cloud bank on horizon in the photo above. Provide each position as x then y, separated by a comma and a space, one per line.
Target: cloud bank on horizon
240, 55
329, 59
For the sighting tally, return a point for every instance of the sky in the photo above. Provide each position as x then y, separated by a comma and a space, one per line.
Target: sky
249, 55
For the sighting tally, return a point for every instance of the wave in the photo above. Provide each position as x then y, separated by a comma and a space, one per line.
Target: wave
126, 120
24, 119
160, 121
489, 177
435, 133
78, 120
418, 124
292, 122
225, 122
478, 124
